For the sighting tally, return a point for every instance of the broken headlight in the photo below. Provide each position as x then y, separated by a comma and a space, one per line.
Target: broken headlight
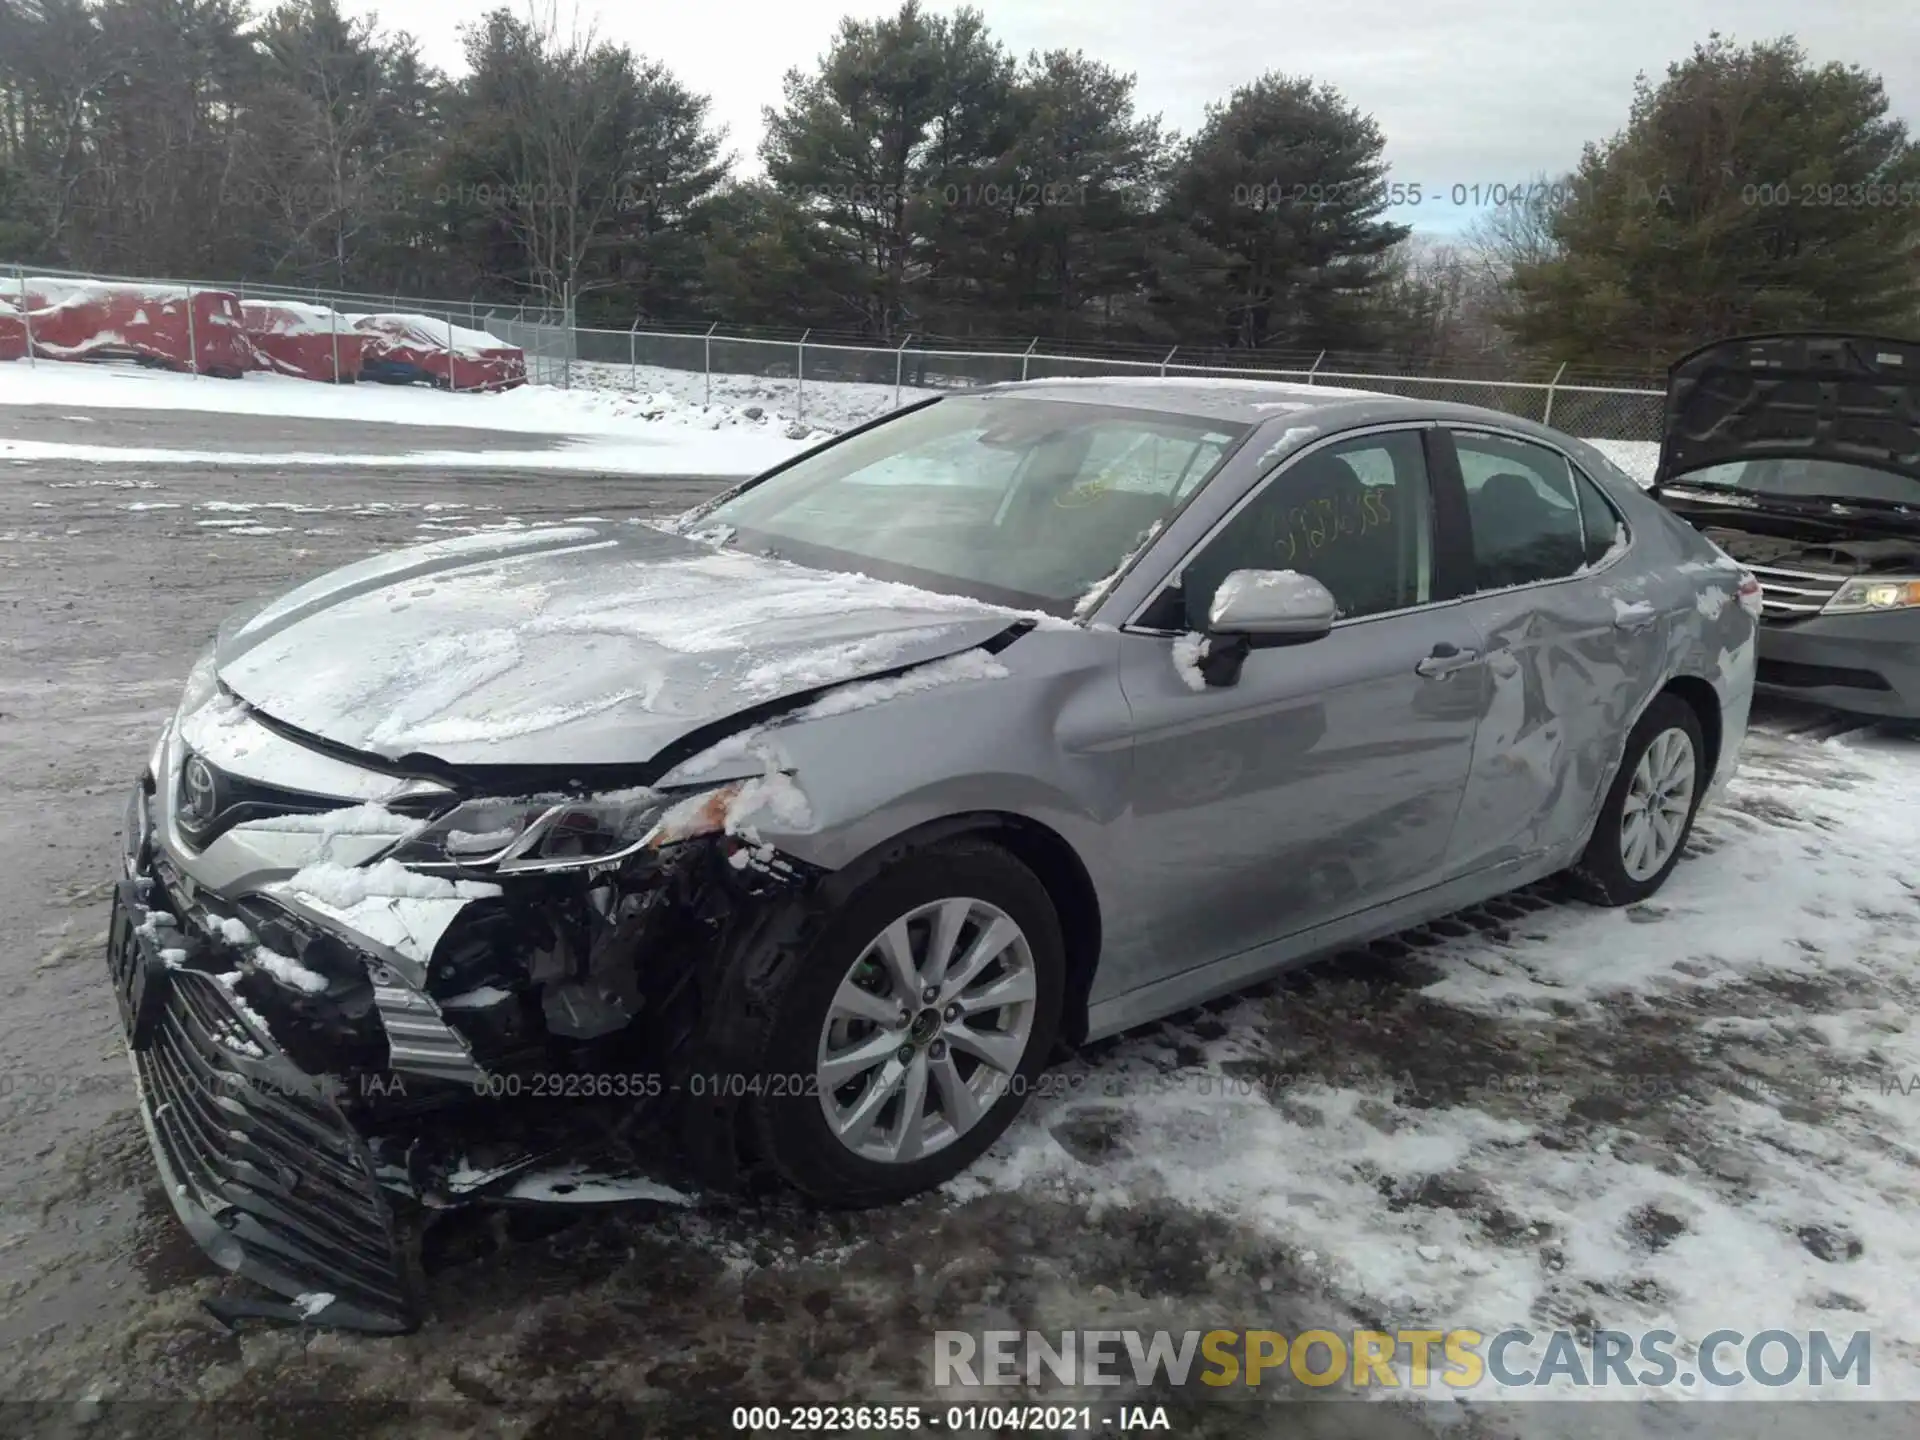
1867, 593
546, 833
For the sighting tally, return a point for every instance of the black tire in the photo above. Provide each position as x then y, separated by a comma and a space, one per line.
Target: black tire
1601, 875
789, 1126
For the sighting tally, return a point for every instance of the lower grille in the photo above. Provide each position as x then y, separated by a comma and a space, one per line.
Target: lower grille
1787, 595
263, 1166
1794, 675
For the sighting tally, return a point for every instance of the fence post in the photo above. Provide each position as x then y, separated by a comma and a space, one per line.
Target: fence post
1023, 358
453, 376
800, 376
1163, 363
26, 311
706, 363
566, 318
193, 344
899, 358
333, 330
633, 358
1547, 419
1315, 368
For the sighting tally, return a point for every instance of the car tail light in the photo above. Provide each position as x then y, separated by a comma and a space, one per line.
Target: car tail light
1750, 594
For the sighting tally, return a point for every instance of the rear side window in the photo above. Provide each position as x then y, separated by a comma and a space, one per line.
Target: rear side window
1524, 511
1600, 523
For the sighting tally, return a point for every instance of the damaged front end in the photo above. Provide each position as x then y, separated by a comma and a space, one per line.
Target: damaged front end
491, 999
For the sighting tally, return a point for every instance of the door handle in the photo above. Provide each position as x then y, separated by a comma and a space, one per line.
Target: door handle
1445, 659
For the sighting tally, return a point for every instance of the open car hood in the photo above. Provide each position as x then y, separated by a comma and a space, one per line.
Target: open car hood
1848, 398
601, 646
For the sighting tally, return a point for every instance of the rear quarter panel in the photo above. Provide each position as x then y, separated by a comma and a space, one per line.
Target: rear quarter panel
1695, 586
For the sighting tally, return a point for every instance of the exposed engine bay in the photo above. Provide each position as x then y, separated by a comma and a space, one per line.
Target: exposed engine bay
569, 1002
1861, 555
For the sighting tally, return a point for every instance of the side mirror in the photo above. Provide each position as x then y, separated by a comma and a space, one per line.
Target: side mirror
1259, 610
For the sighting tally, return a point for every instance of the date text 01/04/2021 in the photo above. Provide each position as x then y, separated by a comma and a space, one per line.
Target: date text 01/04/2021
957, 1419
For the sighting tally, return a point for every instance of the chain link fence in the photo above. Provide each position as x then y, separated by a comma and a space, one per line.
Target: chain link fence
851, 382
630, 359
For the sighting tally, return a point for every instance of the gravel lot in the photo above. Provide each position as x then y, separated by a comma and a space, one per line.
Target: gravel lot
1133, 1197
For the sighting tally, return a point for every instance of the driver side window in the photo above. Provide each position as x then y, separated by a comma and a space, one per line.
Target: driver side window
1353, 515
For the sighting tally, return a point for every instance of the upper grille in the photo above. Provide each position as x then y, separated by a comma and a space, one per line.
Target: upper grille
1787, 595
209, 801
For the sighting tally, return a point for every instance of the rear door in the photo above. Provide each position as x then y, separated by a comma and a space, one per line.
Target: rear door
1570, 651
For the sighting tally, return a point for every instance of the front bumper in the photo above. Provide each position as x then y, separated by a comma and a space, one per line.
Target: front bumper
1861, 664
259, 1161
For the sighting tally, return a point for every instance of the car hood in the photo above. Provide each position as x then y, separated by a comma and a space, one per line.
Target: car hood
1848, 398
609, 646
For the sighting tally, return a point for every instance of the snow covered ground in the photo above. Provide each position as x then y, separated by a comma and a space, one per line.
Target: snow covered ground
644, 420
1697, 1113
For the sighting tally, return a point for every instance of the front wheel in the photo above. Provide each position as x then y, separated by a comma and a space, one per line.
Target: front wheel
906, 1040
1648, 813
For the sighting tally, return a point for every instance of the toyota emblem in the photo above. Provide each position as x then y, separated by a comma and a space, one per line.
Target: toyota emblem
198, 792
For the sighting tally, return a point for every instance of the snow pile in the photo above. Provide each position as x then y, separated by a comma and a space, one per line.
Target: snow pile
234, 932
292, 317
366, 821
390, 905
425, 332
773, 799
218, 728
671, 407
1288, 587
954, 670
288, 971
829, 405
1186, 659
830, 663
1687, 1115
341, 887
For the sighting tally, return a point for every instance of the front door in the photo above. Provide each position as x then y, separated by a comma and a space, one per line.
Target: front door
1326, 779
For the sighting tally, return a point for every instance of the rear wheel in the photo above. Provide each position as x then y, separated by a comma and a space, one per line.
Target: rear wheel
1648, 813
906, 1040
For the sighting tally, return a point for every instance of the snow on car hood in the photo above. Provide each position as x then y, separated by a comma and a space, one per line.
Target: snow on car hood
571, 645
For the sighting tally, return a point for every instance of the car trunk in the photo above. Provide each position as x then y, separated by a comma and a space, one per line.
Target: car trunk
1836, 405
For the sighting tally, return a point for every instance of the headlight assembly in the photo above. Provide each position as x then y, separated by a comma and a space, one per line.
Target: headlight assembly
1866, 593
203, 683
547, 833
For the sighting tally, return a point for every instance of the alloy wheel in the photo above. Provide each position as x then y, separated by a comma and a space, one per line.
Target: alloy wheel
1659, 798
926, 1030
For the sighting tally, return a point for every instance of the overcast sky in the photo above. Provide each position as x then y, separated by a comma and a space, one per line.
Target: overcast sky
1475, 92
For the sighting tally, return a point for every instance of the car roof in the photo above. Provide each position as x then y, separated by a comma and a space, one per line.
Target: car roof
1251, 402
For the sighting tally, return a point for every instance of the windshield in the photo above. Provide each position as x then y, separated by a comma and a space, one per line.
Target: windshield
1003, 497
1807, 480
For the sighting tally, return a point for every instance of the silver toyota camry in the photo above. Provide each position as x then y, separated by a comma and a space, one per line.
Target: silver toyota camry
787, 842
